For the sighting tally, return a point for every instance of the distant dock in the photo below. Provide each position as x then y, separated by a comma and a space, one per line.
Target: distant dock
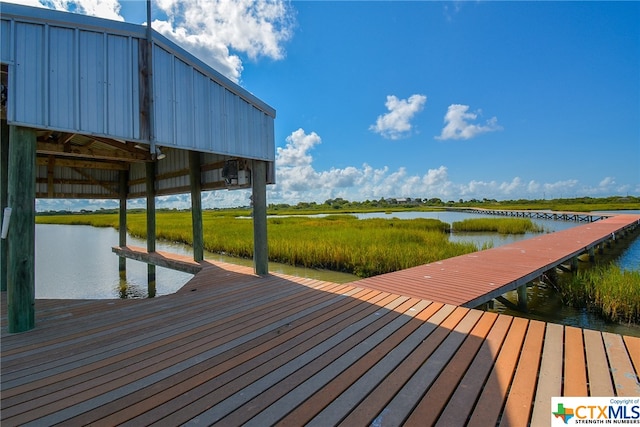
538, 214
473, 279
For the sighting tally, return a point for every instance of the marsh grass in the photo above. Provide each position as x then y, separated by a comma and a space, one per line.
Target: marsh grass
497, 225
336, 242
609, 290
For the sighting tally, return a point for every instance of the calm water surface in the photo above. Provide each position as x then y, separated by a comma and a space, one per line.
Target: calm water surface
76, 262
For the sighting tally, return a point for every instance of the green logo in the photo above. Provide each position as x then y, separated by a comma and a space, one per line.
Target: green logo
565, 413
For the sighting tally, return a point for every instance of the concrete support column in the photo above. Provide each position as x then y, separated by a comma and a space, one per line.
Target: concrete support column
196, 205
21, 245
151, 225
4, 197
259, 195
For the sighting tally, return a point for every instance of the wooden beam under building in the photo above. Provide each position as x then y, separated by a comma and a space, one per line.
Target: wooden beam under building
195, 177
21, 256
259, 196
4, 197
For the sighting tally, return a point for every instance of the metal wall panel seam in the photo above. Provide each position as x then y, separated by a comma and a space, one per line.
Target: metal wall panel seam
130, 83
213, 74
105, 77
11, 67
76, 75
174, 100
45, 83
192, 118
5, 39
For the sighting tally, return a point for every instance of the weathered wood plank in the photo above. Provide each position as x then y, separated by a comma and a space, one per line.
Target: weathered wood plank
434, 401
550, 376
400, 407
633, 349
289, 393
463, 400
165, 397
597, 365
121, 376
356, 380
625, 380
574, 364
494, 393
517, 410
158, 258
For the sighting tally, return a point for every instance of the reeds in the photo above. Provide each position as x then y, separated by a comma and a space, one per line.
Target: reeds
337, 242
497, 225
609, 290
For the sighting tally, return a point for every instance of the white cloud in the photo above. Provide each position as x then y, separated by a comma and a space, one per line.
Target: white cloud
457, 124
109, 9
216, 31
299, 181
607, 182
296, 151
213, 29
396, 123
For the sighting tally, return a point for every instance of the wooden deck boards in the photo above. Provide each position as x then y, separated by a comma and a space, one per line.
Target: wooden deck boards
472, 279
233, 348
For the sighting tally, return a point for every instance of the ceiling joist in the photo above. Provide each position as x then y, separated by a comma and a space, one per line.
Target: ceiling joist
68, 150
81, 163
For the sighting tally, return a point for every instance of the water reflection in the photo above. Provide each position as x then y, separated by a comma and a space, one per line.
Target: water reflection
76, 262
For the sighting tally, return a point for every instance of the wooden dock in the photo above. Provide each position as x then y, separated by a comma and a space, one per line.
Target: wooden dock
473, 279
232, 348
538, 214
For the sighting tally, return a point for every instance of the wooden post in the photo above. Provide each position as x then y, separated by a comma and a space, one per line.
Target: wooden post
21, 257
4, 197
574, 264
151, 225
124, 189
196, 205
259, 195
522, 297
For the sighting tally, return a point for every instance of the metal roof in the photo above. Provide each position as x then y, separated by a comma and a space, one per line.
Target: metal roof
81, 83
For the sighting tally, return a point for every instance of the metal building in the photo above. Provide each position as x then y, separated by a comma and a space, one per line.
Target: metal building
115, 110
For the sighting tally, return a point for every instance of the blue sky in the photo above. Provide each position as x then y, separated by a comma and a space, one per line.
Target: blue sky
455, 100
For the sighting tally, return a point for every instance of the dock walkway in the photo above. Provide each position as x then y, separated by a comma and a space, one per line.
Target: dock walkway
232, 348
473, 279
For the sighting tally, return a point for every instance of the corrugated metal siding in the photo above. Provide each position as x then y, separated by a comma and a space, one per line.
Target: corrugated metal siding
137, 174
72, 184
193, 111
80, 74
92, 80
119, 85
29, 99
62, 111
5, 42
163, 101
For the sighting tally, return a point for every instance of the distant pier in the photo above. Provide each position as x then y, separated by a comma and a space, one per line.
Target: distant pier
538, 214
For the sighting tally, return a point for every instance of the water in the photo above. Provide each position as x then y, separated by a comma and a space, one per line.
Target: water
76, 262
